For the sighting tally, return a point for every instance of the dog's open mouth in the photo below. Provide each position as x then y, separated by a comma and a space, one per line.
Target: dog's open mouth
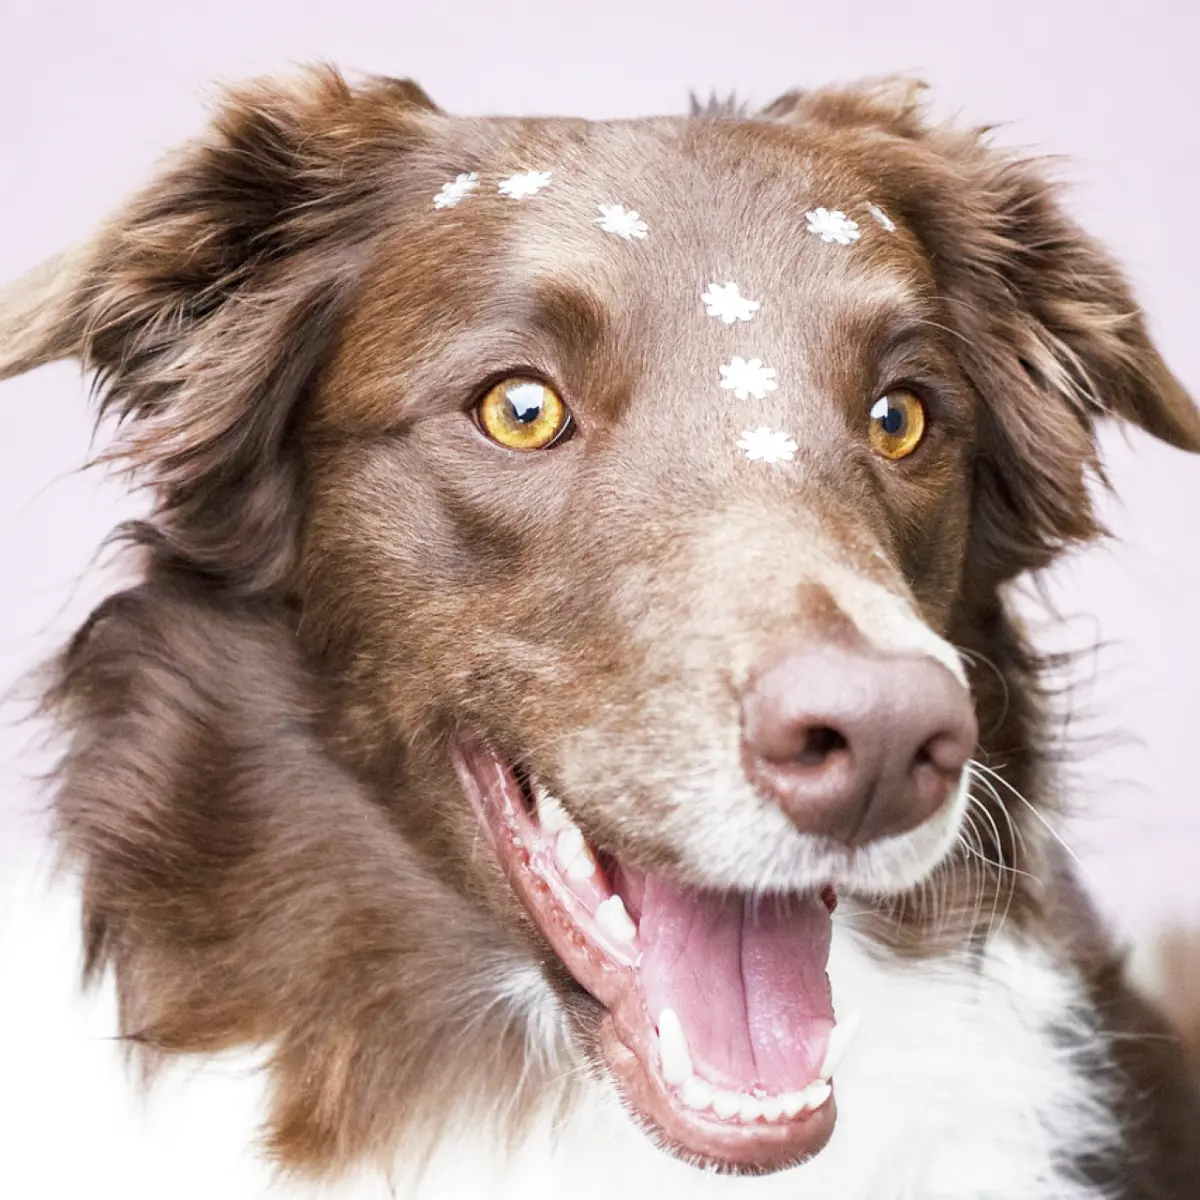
718, 1022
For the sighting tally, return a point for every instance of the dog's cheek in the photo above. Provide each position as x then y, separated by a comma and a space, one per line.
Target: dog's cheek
934, 547
420, 598
380, 565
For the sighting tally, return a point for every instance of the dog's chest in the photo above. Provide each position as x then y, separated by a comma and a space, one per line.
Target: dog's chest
959, 1086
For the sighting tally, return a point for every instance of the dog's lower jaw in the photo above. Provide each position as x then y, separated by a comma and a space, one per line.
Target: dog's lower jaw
752, 1092
728, 1148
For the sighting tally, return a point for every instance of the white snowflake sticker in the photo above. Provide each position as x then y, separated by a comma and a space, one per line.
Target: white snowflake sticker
624, 222
526, 183
726, 302
452, 194
747, 378
881, 218
833, 226
767, 445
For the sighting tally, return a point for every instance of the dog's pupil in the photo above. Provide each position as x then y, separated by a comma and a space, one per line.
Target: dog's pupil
892, 421
526, 402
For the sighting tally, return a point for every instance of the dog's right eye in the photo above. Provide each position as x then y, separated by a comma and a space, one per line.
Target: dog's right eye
522, 414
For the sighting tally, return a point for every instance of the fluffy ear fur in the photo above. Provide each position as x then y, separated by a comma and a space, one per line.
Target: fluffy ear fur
205, 306
890, 103
1050, 335
40, 314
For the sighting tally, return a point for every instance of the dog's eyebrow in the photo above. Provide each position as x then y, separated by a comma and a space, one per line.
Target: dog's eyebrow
895, 315
568, 314
575, 329
915, 329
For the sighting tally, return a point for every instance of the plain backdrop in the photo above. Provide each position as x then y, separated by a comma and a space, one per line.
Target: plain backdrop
93, 92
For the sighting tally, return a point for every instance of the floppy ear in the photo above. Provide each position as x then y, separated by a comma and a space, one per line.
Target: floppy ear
207, 303
1049, 334
40, 314
1052, 340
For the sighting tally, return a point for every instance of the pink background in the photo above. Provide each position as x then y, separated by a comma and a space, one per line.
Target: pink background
92, 93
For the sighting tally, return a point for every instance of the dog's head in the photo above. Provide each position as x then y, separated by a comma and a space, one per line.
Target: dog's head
637, 493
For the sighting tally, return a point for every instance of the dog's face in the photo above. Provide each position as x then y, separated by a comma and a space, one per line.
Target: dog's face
637, 547
614, 606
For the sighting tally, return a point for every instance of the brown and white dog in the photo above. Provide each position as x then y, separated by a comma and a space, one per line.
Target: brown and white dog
570, 687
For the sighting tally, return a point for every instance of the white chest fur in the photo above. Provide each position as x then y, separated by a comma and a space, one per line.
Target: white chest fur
960, 1086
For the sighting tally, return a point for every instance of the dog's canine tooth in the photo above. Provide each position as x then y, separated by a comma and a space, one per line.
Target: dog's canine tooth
726, 1104
613, 918
673, 1048
697, 1093
552, 817
816, 1094
573, 853
840, 1037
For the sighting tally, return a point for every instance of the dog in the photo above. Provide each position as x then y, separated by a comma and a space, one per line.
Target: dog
569, 720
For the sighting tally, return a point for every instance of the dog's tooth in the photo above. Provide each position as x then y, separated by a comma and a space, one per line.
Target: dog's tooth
816, 1094
574, 856
772, 1108
697, 1093
750, 1109
726, 1104
673, 1048
583, 866
794, 1103
840, 1037
613, 919
552, 817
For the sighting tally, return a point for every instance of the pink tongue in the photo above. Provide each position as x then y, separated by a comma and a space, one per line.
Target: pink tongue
746, 977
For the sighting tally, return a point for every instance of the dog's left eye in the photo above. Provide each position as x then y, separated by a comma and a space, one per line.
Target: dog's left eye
897, 424
522, 414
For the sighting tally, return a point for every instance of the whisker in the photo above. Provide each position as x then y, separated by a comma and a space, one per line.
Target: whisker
975, 656
978, 806
1033, 809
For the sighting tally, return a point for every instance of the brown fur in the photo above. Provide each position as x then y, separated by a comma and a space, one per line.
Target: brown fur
1178, 986
339, 573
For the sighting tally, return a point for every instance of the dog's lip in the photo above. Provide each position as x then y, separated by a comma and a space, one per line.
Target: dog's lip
706, 1142
607, 971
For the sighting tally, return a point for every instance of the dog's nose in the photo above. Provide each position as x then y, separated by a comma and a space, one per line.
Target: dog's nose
856, 745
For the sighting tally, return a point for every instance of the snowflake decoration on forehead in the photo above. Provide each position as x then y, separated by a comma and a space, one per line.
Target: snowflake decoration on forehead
833, 226
746, 378
525, 183
726, 302
624, 222
452, 194
881, 218
767, 445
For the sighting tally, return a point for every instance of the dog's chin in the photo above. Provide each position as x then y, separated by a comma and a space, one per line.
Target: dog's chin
718, 1024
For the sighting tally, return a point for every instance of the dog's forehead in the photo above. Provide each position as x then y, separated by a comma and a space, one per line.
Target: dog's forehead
670, 200
715, 243
677, 239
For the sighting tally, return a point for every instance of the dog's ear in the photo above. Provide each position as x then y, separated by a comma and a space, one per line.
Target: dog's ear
1049, 335
890, 103
1048, 332
40, 315
205, 306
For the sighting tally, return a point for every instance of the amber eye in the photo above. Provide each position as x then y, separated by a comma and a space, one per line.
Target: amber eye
522, 414
897, 424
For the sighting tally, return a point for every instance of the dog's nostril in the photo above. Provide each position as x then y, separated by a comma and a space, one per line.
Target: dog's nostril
821, 742
946, 752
